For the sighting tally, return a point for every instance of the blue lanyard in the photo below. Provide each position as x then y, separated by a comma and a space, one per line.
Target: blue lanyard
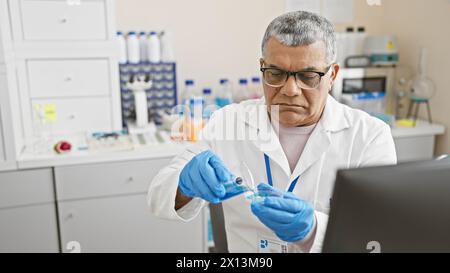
269, 175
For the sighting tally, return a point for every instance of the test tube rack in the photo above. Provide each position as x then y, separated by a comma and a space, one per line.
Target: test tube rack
161, 97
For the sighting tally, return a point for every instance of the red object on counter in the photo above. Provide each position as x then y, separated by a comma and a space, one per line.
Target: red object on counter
63, 147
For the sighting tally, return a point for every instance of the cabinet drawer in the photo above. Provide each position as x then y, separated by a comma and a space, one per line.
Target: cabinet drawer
78, 115
96, 180
26, 187
63, 20
29, 229
65, 78
124, 224
414, 148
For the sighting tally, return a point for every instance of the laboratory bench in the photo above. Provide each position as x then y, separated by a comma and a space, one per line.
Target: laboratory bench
95, 199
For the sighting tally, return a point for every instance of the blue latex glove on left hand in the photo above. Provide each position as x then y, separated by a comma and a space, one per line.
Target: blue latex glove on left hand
284, 213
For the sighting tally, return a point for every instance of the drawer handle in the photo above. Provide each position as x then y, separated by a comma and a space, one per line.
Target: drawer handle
130, 180
68, 79
70, 216
63, 20
71, 117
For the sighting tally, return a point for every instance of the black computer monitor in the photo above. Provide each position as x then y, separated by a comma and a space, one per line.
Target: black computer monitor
402, 208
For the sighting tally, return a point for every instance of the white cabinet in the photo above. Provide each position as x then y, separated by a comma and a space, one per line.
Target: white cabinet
124, 224
64, 53
103, 207
416, 143
27, 212
63, 20
414, 148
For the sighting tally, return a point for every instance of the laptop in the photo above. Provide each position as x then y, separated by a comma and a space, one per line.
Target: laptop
402, 208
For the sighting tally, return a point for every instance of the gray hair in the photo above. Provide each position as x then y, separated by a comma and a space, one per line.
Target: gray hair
302, 28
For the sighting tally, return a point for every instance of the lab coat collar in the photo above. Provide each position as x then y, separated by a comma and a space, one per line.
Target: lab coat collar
333, 118
256, 118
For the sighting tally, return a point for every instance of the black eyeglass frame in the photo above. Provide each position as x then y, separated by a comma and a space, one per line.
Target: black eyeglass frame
294, 73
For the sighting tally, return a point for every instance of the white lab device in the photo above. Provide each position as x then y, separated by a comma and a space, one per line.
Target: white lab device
138, 85
382, 50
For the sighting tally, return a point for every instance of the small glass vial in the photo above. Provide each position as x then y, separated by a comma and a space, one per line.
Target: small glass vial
234, 188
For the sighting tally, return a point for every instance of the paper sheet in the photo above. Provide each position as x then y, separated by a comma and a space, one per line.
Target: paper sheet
306, 5
337, 11
50, 114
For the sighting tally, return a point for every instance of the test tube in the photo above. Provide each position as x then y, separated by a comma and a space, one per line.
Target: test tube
234, 188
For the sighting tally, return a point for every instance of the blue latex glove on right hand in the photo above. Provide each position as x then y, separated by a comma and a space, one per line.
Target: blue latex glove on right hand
289, 217
204, 177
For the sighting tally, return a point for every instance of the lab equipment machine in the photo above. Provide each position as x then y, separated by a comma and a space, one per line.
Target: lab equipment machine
422, 89
403, 208
369, 89
382, 50
350, 44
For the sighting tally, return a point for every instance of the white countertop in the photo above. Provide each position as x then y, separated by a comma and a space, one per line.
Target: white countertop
27, 161
423, 128
170, 149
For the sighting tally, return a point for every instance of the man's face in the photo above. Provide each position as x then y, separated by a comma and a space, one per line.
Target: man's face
298, 106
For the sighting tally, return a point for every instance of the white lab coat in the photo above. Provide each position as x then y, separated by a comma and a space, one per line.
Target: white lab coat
343, 138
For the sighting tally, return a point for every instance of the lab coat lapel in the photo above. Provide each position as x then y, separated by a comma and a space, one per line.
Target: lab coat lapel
264, 137
318, 143
333, 120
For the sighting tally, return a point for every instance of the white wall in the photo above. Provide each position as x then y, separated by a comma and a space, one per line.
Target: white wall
213, 38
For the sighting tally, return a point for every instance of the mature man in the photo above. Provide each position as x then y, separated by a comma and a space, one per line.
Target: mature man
292, 148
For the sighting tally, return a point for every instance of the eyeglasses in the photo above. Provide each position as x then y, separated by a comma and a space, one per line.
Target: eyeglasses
276, 77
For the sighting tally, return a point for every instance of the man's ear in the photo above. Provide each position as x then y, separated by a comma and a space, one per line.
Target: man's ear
334, 72
261, 62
